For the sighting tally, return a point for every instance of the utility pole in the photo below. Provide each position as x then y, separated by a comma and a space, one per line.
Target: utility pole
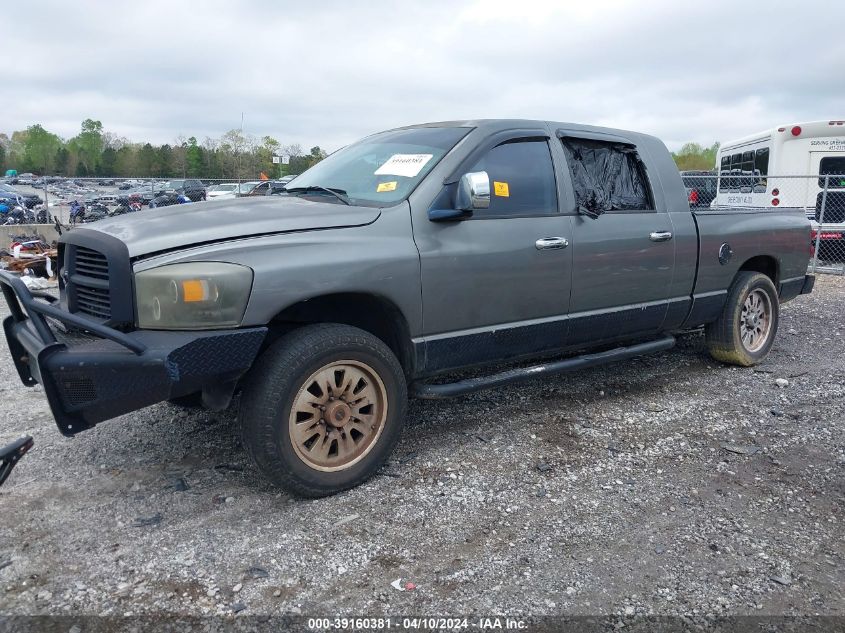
238, 156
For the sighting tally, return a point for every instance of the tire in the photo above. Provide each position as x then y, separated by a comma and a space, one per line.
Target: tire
319, 449
730, 339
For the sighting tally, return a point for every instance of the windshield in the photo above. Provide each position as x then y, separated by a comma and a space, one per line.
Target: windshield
248, 186
382, 169
174, 184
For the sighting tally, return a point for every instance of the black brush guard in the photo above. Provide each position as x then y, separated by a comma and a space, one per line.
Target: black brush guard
110, 372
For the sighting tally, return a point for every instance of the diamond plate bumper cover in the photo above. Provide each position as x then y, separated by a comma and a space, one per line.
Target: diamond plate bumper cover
107, 372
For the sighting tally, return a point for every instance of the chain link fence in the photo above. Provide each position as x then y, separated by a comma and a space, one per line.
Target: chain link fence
821, 197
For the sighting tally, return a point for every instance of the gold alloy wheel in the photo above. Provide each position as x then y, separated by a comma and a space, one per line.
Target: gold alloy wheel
756, 320
338, 415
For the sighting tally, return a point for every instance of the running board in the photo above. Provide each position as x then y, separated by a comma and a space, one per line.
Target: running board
513, 376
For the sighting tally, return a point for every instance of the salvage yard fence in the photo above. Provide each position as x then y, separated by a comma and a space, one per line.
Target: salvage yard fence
821, 197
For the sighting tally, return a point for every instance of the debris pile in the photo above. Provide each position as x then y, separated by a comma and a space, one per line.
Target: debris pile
30, 255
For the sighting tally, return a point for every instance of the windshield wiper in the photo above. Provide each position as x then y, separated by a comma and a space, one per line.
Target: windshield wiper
340, 194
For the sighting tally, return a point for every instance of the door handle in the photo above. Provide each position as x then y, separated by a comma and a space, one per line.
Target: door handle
547, 243
660, 236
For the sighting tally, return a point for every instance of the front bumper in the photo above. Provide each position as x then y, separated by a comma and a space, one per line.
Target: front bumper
91, 373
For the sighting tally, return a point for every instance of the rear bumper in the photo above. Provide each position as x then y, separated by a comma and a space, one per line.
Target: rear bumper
791, 288
809, 284
92, 373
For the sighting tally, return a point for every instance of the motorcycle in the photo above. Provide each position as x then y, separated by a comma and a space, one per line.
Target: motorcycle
126, 206
18, 215
82, 214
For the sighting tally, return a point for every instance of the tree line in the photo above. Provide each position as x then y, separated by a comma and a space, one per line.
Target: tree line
693, 156
95, 152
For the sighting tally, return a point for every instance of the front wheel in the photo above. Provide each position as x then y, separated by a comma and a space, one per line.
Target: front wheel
745, 330
323, 408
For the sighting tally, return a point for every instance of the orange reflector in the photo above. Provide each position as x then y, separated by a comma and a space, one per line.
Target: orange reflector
194, 290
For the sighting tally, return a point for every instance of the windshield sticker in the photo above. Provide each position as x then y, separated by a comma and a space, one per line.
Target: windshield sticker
501, 189
408, 165
386, 186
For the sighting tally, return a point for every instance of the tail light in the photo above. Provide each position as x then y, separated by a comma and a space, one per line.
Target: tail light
796, 130
775, 192
775, 202
693, 196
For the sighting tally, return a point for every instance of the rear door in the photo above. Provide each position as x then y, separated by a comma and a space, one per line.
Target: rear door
496, 285
623, 260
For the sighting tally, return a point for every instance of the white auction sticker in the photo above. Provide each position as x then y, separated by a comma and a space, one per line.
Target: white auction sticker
408, 165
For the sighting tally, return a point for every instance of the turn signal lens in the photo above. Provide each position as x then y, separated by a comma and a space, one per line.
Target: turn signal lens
194, 290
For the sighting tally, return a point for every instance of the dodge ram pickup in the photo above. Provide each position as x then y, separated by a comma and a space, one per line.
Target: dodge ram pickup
393, 262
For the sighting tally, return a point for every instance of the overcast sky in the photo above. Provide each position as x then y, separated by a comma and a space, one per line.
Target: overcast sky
327, 72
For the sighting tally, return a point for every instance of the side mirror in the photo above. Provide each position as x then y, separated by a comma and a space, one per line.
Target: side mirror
473, 191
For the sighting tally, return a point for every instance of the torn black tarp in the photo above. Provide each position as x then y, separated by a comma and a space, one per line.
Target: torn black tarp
606, 176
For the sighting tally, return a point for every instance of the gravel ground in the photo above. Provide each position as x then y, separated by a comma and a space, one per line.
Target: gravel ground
668, 484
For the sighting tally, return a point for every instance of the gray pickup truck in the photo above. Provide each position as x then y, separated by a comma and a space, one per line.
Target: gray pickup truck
407, 255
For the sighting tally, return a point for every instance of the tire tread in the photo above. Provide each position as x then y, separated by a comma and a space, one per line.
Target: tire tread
271, 381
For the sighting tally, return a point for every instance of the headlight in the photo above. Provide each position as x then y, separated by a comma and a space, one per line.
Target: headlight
193, 296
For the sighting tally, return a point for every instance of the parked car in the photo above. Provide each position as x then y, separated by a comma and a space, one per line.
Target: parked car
168, 199
222, 191
701, 187
190, 188
403, 257
256, 188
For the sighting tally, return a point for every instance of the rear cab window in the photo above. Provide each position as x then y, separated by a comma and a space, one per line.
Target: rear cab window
607, 176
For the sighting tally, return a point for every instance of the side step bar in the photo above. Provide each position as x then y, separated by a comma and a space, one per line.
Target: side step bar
513, 376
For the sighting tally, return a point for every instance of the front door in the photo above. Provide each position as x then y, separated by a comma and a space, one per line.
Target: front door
496, 285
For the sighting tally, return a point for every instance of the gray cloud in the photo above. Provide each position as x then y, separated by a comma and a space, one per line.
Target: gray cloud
327, 73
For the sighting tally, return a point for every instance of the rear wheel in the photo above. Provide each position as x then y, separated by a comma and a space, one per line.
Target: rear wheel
745, 331
323, 408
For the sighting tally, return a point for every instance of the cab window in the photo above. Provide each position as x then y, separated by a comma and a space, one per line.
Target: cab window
522, 179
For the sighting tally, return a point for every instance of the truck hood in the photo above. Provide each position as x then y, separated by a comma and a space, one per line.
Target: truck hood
182, 225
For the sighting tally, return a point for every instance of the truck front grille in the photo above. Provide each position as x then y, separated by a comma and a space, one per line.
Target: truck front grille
90, 283
91, 263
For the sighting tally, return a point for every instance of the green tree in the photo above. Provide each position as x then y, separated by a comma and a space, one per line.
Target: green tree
194, 158
146, 160
164, 159
89, 144
60, 160
108, 162
126, 161
694, 156
2, 160
40, 148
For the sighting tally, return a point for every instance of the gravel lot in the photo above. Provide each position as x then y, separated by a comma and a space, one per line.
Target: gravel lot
668, 484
